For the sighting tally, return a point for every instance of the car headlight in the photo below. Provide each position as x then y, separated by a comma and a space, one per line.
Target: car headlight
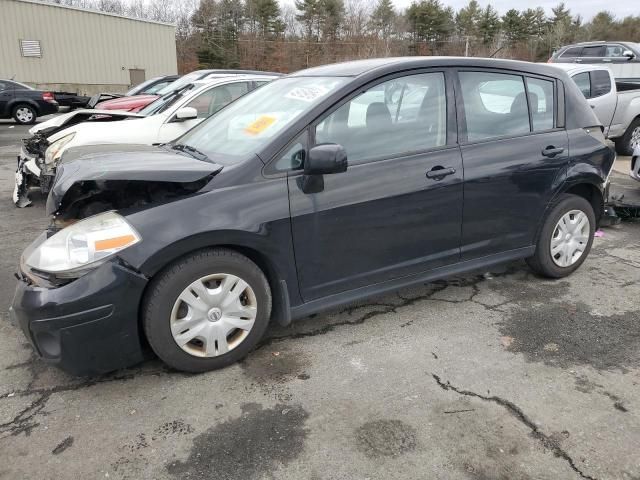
54, 152
83, 246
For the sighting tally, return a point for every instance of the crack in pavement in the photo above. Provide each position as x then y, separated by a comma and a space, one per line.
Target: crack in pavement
386, 308
24, 421
519, 415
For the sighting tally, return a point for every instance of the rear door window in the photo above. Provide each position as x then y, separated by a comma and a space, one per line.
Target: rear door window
495, 104
593, 51
600, 83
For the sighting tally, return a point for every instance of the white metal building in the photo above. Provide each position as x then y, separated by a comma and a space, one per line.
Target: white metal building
56, 47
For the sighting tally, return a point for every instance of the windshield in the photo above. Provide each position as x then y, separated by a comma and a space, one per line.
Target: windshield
249, 123
184, 80
140, 87
161, 104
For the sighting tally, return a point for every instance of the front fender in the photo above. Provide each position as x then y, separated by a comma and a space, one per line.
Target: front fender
253, 217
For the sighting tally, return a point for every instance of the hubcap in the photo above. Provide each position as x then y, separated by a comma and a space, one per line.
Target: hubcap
635, 138
570, 238
24, 114
213, 315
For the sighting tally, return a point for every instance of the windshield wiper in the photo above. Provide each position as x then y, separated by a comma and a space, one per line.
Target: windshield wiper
194, 152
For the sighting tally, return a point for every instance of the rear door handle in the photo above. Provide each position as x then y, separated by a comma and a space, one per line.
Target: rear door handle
439, 172
552, 151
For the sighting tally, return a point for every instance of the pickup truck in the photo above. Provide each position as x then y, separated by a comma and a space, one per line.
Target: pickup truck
615, 103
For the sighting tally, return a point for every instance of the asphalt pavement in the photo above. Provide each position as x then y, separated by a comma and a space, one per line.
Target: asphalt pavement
494, 375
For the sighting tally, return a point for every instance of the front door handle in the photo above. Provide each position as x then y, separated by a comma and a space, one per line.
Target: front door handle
439, 172
552, 151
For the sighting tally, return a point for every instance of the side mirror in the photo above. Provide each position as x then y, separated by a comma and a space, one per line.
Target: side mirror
325, 159
629, 54
186, 113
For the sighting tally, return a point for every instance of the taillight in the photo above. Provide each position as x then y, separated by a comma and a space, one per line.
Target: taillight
48, 97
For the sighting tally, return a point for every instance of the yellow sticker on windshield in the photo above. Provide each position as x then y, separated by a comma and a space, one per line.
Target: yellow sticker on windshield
260, 125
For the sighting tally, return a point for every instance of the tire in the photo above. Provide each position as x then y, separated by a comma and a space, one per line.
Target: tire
543, 262
164, 314
631, 139
24, 114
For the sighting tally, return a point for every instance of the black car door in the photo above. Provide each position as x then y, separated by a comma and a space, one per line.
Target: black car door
514, 150
6, 94
390, 214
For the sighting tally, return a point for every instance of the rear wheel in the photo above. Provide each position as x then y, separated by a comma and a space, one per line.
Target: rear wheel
207, 311
626, 144
24, 114
565, 239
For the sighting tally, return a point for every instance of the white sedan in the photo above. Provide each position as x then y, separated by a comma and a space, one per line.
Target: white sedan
162, 121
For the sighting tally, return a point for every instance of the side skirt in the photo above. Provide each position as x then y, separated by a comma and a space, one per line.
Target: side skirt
361, 293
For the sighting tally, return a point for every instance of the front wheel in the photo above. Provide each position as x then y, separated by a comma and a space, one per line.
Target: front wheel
565, 239
24, 114
207, 310
627, 143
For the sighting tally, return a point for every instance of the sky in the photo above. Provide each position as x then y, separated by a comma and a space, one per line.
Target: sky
586, 8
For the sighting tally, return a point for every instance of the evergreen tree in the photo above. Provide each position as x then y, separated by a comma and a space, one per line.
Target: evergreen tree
489, 25
513, 26
429, 21
468, 19
383, 19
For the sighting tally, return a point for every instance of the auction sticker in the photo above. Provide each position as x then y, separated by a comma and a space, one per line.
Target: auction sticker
260, 125
307, 94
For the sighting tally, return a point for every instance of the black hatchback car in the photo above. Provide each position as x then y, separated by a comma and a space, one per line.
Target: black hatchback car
25, 103
324, 187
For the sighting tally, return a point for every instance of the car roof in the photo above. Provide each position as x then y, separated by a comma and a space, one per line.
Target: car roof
230, 79
596, 42
575, 68
389, 65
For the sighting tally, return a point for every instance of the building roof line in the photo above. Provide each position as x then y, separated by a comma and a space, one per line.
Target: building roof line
93, 10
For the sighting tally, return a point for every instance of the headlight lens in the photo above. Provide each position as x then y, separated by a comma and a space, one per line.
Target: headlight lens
54, 152
83, 246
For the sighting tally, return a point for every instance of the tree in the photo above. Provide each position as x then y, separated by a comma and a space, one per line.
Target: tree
218, 24
601, 26
489, 25
264, 17
513, 27
468, 18
534, 22
429, 21
383, 19
309, 16
331, 14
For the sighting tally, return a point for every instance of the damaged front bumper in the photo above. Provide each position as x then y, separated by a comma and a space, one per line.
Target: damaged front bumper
27, 175
87, 326
32, 172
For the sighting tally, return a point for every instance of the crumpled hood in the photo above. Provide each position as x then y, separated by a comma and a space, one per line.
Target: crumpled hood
59, 122
104, 163
127, 103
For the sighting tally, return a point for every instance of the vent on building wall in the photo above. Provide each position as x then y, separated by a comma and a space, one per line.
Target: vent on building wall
30, 48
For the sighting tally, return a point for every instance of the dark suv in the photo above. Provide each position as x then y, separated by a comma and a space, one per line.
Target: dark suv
24, 103
622, 57
321, 188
